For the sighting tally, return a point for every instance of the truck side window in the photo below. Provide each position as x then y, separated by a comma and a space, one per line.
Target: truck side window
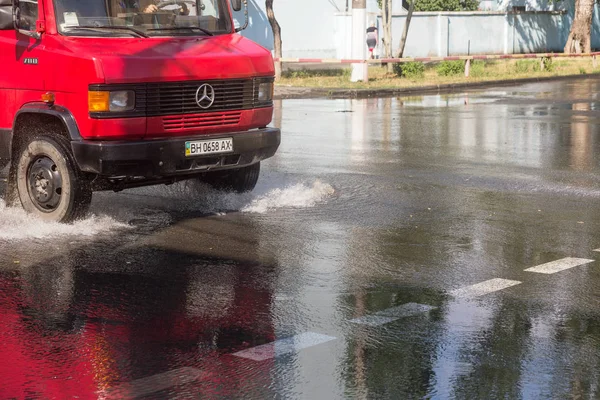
29, 14
6, 15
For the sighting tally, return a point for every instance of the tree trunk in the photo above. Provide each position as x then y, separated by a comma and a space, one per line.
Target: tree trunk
580, 38
411, 9
276, 36
386, 9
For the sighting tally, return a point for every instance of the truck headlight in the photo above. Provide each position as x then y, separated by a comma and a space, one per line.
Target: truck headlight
265, 92
114, 101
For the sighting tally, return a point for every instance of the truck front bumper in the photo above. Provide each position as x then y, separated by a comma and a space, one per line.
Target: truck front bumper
166, 157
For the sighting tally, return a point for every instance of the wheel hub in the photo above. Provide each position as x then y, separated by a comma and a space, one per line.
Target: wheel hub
45, 184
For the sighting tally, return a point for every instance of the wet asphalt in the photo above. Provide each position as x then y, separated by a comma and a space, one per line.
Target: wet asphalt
394, 248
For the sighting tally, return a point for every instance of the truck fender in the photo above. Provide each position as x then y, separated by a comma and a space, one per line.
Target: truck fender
63, 115
59, 112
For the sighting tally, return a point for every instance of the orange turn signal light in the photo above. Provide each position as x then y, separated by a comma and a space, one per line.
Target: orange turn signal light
49, 98
98, 101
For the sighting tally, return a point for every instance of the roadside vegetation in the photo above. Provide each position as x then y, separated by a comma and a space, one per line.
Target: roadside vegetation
420, 74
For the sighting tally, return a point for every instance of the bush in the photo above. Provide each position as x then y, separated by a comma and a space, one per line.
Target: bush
451, 68
582, 71
410, 70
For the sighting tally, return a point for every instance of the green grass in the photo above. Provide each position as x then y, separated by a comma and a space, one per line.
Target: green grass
478, 69
429, 74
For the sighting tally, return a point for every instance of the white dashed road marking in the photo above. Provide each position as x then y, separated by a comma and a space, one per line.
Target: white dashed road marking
558, 266
156, 383
284, 346
483, 288
152, 384
393, 314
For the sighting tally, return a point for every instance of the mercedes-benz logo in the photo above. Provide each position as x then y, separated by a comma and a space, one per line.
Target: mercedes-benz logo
205, 96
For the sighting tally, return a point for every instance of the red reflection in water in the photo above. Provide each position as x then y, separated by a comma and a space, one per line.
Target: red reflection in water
120, 329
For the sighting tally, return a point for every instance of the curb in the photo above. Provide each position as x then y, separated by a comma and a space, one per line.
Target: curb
297, 92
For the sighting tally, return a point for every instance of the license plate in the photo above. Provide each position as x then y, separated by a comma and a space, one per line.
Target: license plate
202, 147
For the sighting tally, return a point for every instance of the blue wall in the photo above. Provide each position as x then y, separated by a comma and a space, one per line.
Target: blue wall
444, 34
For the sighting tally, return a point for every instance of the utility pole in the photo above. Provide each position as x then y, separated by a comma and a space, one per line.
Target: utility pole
359, 47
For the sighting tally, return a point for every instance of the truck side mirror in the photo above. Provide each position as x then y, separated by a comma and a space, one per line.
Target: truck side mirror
25, 21
236, 5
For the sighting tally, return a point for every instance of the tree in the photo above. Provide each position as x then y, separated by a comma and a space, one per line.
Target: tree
580, 38
386, 16
417, 5
277, 45
411, 9
386, 13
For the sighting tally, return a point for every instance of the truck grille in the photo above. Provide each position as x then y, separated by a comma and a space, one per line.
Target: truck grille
208, 120
180, 97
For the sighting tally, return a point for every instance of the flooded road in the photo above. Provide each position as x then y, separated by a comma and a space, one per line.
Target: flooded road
425, 247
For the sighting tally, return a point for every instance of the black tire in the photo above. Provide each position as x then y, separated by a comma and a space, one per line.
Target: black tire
239, 180
49, 183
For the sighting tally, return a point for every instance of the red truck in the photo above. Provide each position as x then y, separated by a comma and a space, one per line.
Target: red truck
116, 94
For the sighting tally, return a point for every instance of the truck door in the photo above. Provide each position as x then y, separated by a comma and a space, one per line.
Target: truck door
7, 44
7, 91
26, 55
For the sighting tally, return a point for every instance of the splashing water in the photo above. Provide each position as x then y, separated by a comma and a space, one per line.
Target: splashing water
16, 224
296, 196
198, 197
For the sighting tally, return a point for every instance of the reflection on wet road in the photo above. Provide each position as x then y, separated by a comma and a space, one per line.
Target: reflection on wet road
427, 247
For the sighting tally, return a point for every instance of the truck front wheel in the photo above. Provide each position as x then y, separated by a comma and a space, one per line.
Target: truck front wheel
234, 180
49, 183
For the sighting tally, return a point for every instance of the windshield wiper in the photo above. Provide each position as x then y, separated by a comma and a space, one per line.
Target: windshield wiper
109, 27
178, 28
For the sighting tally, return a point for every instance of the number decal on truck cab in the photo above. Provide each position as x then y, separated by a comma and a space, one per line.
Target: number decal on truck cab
30, 61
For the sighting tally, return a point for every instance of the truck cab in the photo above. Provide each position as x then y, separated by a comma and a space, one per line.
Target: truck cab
115, 94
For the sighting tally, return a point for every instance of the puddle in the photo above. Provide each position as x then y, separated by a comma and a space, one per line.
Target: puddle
193, 196
151, 207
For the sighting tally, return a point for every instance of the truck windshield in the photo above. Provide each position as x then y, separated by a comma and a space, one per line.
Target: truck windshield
142, 17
